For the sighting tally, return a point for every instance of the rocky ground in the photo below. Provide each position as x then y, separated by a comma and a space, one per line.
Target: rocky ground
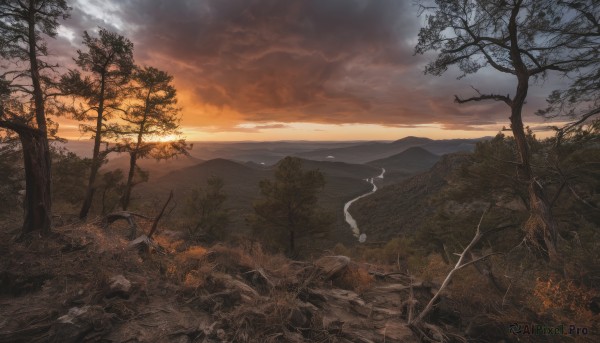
87, 283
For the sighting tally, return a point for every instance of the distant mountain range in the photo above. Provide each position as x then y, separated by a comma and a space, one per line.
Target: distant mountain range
365, 152
271, 152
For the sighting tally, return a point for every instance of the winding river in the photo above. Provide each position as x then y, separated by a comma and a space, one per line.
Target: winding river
347, 214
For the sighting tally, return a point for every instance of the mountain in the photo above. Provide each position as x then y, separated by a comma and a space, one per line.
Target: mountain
259, 152
241, 180
448, 146
411, 160
156, 168
342, 169
401, 207
365, 152
412, 140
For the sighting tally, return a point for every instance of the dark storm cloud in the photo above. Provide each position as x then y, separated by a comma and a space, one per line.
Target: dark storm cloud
334, 61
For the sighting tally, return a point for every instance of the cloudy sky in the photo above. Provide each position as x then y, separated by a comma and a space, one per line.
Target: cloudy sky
296, 69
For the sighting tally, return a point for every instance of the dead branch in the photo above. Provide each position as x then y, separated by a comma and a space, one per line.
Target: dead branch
568, 127
123, 215
461, 263
578, 197
157, 219
504, 98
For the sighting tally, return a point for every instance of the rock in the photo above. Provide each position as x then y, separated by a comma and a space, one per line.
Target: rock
397, 331
220, 300
297, 319
182, 339
313, 297
233, 284
332, 265
293, 337
79, 323
333, 325
119, 286
221, 334
141, 241
145, 244
258, 278
210, 330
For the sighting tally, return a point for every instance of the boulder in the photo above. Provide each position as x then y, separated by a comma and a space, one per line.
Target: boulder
80, 324
332, 266
119, 286
297, 319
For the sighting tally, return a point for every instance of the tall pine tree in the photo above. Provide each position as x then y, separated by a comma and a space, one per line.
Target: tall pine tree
288, 208
152, 116
24, 92
107, 64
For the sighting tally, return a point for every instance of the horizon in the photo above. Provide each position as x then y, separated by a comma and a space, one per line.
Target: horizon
540, 133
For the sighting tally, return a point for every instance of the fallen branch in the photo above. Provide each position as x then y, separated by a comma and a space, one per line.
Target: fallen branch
459, 265
157, 219
123, 215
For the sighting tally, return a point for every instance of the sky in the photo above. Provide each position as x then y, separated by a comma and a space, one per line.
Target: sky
258, 70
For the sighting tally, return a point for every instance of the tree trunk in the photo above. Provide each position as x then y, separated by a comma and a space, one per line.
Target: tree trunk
292, 243
540, 227
36, 149
89, 194
38, 203
96, 159
129, 186
104, 200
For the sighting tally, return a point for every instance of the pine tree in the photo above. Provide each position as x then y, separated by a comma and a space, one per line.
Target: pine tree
288, 208
107, 64
23, 100
205, 210
152, 116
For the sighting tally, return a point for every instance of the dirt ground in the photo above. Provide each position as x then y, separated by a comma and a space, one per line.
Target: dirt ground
86, 283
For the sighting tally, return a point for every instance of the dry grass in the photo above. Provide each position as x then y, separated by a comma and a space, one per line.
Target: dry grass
355, 278
218, 293
565, 301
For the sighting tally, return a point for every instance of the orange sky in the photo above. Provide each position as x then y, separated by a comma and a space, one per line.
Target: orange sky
296, 69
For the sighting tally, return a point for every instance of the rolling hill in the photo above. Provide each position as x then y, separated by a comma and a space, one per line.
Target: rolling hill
411, 160
405, 164
342, 169
156, 168
344, 181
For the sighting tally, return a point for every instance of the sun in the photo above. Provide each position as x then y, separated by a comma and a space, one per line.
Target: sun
165, 138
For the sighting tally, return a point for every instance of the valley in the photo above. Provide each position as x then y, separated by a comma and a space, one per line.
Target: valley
243, 166
348, 217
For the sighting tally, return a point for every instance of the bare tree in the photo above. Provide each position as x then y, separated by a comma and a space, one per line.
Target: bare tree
25, 90
522, 38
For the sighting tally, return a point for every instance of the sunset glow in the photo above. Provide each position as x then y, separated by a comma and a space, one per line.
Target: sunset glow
349, 74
